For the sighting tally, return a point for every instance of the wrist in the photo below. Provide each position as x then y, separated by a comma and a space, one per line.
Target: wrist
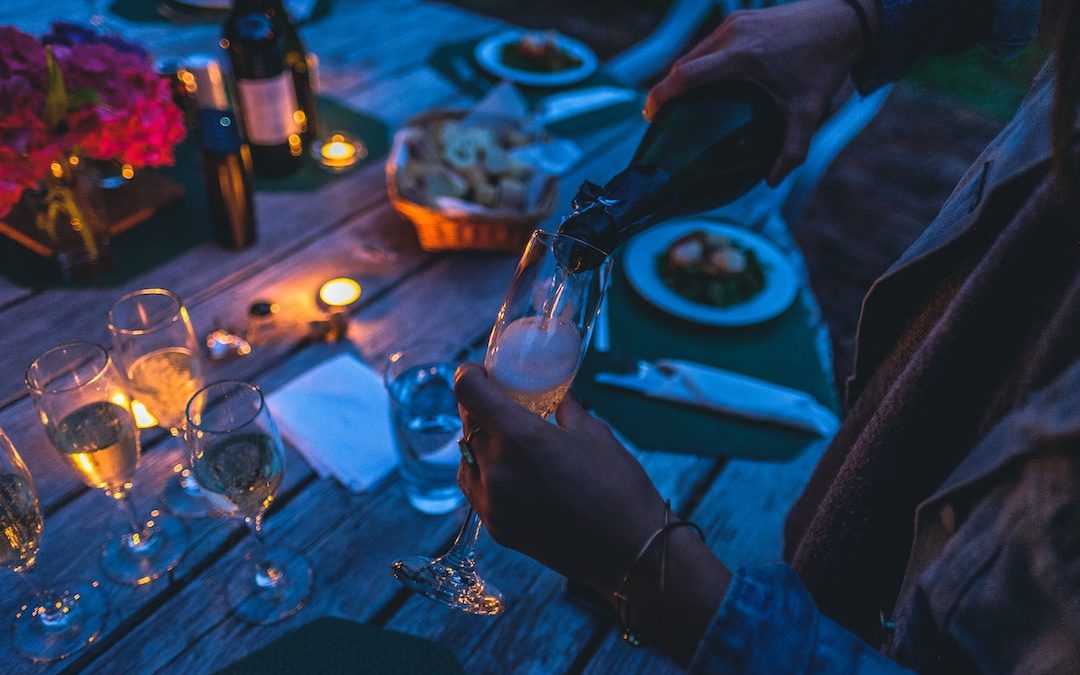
864, 21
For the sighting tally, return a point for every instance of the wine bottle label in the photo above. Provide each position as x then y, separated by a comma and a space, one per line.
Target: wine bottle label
269, 108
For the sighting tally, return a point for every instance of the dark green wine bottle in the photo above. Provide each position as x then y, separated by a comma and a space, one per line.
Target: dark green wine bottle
704, 149
264, 86
296, 60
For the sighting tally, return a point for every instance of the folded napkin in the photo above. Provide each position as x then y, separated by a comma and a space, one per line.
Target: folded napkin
337, 415
727, 392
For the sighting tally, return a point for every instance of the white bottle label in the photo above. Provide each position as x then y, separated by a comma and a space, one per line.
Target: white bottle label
268, 106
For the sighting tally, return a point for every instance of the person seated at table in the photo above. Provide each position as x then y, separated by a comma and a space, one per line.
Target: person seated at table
941, 529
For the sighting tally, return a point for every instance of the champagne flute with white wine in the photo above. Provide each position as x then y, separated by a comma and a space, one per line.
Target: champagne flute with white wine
49, 624
156, 349
87, 416
239, 460
533, 354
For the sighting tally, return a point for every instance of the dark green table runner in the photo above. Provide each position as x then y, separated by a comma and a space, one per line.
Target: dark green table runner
328, 646
781, 350
186, 223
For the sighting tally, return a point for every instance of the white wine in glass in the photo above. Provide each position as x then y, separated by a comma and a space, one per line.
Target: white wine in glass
156, 348
239, 460
49, 625
87, 416
534, 351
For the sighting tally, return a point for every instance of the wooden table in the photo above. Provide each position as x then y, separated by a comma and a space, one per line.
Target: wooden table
373, 56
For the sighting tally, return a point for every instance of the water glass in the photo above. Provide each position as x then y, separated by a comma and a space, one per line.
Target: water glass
420, 381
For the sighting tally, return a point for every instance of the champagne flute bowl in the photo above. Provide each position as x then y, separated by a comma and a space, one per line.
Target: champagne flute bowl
87, 415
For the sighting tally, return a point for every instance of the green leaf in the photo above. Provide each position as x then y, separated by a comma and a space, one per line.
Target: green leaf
79, 97
56, 98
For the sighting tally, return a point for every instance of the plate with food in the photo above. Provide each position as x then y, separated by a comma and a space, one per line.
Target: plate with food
710, 273
536, 58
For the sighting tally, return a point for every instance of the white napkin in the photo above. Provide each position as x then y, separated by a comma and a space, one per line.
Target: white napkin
748, 396
337, 415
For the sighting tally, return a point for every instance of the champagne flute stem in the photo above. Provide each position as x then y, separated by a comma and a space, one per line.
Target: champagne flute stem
50, 611
266, 575
462, 554
137, 533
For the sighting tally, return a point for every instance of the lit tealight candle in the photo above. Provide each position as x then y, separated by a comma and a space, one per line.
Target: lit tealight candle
338, 152
339, 293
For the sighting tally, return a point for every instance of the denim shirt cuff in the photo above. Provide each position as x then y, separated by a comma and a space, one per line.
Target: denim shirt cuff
767, 623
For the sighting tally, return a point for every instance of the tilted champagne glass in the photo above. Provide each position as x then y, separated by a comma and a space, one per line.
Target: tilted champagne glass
156, 349
239, 460
87, 416
50, 624
533, 354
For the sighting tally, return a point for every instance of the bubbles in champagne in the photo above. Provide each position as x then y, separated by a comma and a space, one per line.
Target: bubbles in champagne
534, 362
20, 522
100, 442
164, 381
240, 474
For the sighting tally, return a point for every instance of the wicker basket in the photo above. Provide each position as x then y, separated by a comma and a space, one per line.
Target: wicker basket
438, 230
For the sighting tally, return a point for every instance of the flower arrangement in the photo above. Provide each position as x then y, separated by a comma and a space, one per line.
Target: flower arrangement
75, 92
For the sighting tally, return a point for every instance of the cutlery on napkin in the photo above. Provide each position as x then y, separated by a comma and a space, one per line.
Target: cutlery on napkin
337, 415
727, 392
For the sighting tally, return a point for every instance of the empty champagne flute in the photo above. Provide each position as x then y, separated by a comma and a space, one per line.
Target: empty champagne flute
534, 351
87, 416
49, 625
156, 349
239, 460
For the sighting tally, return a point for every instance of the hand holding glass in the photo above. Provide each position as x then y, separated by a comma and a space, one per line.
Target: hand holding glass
533, 354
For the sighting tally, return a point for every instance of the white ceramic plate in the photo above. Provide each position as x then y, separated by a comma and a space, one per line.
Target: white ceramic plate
781, 281
489, 56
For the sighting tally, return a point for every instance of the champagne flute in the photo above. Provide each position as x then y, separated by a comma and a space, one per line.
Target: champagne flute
156, 349
533, 353
51, 625
87, 416
239, 460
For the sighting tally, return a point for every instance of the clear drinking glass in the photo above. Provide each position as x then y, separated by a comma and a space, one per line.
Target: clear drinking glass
534, 351
420, 381
239, 460
156, 349
87, 416
50, 624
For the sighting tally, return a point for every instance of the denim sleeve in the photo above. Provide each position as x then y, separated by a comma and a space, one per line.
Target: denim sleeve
768, 624
912, 29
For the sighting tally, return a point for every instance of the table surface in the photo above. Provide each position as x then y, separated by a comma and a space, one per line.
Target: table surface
373, 57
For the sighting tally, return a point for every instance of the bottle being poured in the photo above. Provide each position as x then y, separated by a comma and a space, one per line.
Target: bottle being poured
705, 149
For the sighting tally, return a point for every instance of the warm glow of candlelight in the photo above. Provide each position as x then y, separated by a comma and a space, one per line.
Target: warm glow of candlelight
143, 418
340, 292
338, 152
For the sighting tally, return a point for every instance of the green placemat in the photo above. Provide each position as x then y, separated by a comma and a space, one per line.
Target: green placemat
455, 60
164, 11
781, 350
186, 223
328, 645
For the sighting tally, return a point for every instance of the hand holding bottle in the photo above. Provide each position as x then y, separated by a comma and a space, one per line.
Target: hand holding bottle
800, 53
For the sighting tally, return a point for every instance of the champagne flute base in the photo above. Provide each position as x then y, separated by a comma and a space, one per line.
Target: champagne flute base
460, 588
183, 497
140, 563
270, 585
53, 626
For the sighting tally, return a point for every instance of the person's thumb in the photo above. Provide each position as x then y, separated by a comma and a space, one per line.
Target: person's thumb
570, 414
485, 403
